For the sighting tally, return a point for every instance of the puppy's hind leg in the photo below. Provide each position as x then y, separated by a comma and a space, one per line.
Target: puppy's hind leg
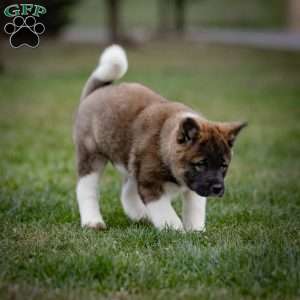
131, 201
90, 168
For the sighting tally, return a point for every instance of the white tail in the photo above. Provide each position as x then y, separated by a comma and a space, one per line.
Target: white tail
113, 65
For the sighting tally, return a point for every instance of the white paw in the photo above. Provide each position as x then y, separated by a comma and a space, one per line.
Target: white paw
135, 210
194, 228
94, 225
136, 215
177, 225
162, 215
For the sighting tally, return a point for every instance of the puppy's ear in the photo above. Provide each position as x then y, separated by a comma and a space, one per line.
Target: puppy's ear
188, 131
232, 130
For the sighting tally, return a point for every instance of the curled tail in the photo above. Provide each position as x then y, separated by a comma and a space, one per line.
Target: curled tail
112, 65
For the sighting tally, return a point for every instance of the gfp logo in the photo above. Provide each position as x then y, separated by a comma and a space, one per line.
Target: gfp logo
24, 30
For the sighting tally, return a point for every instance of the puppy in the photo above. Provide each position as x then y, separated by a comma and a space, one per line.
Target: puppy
160, 147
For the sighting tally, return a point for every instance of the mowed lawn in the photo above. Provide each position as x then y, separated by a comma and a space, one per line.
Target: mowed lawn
252, 243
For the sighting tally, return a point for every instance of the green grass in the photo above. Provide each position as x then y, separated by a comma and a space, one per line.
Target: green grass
251, 247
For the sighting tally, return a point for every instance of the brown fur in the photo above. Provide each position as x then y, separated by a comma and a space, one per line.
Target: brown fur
131, 125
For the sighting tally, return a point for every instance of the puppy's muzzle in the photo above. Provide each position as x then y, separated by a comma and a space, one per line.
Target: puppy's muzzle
217, 190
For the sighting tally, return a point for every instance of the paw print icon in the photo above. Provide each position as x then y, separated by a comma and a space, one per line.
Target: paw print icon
24, 31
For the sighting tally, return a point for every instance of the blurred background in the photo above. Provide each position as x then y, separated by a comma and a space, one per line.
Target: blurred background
194, 19
258, 22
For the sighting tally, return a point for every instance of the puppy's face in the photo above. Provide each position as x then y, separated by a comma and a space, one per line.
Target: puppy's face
203, 154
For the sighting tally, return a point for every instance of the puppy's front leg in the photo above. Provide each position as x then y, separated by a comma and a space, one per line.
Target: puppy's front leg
194, 207
162, 215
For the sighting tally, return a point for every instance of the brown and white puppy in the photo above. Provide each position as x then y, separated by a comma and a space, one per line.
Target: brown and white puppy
160, 147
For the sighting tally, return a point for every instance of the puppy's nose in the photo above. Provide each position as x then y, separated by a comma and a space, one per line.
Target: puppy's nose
217, 189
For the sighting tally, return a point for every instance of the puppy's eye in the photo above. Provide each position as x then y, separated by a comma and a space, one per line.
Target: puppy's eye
198, 165
224, 165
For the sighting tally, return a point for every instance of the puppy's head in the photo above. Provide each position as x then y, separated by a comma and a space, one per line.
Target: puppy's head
203, 154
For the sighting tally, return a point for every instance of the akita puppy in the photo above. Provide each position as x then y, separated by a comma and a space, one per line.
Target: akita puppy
159, 146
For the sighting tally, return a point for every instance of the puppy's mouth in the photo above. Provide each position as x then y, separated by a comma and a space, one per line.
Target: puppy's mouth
215, 191
208, 194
